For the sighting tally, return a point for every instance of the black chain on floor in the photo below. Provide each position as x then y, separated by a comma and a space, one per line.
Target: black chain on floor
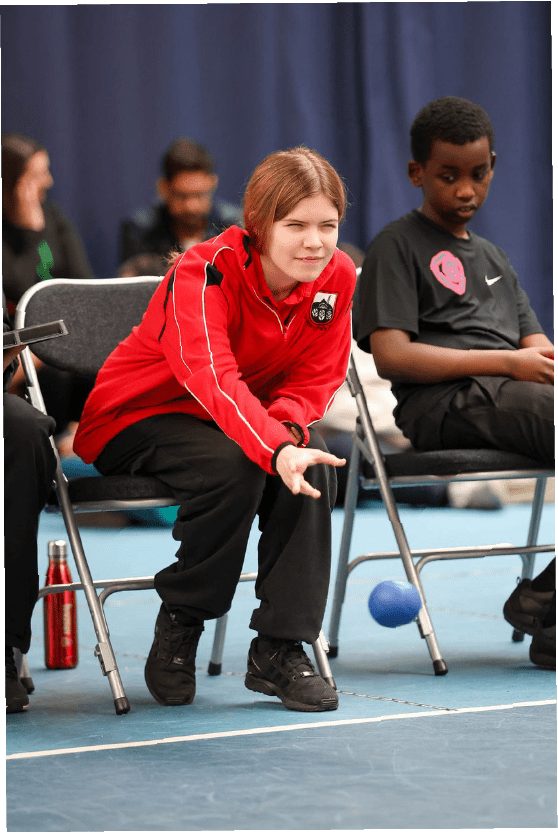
394, 700
348, 693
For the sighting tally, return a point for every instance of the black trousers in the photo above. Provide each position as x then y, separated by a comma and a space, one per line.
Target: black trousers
29, 467
486, 412
220, 492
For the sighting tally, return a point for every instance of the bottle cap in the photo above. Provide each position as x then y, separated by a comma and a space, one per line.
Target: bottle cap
57, 550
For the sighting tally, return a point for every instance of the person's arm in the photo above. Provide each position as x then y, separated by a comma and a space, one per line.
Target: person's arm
399, 359
537, 340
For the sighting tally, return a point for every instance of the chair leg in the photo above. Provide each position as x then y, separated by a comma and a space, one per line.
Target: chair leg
103, 649
426, 629
349, 509
528, 559
534, 524
424, 623
320, 654
215, 661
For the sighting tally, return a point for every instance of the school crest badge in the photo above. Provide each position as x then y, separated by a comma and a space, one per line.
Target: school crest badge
323, 307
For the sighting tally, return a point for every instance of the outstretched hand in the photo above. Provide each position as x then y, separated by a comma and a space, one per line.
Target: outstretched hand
292, 462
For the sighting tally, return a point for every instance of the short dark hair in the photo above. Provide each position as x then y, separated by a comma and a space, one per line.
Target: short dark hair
450, 119
186, 155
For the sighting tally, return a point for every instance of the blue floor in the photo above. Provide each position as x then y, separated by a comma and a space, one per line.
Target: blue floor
475, 749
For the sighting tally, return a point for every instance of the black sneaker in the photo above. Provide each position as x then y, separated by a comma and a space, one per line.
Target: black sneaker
16, 695
280, 667
525, 606
542, 651
170, 670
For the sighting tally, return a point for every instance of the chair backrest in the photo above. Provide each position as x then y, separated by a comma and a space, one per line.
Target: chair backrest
98, 313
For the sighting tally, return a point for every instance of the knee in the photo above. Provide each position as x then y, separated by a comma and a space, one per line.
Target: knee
528, 397
26, 430
25, 424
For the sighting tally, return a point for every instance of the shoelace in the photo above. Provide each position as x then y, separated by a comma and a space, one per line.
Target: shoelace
180, 641
292, 654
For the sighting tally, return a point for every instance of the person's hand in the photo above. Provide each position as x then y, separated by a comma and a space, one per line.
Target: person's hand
292, 462
12, 353
28, 212
532, 364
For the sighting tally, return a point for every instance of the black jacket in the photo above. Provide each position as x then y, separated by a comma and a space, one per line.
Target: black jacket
150, 230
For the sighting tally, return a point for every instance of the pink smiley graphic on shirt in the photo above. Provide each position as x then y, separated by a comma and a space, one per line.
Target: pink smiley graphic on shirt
448, 270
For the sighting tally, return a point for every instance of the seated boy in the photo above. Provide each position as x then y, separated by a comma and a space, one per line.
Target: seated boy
444, 316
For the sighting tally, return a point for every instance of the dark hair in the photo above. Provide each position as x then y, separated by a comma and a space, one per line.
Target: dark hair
450, 119
186, 155
17, 150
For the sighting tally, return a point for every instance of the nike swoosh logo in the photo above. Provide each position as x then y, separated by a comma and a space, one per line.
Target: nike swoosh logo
490, 281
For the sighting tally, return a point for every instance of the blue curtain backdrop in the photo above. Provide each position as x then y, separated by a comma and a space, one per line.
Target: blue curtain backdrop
106, 88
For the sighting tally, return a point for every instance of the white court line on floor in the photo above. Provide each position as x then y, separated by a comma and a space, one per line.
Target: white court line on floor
270, 730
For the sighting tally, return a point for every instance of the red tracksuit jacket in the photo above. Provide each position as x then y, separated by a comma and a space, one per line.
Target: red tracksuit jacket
213, 343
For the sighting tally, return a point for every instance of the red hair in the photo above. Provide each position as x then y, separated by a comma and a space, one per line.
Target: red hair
280, 182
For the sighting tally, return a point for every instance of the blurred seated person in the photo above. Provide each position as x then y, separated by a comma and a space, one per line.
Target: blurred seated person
38, 240
187, 212
38, 243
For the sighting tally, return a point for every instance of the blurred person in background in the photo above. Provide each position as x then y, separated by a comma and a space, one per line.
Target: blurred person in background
186, 213
38, 243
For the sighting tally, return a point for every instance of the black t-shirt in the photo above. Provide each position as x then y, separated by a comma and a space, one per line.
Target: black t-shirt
443, 290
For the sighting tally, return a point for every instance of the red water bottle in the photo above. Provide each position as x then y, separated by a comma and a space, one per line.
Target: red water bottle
60, 612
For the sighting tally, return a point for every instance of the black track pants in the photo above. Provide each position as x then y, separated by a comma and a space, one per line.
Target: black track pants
29, 467
220, 492
486, 412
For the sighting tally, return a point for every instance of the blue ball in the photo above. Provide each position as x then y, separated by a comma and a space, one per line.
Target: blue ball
394, 603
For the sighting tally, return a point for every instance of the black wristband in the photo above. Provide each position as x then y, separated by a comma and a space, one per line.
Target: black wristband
276, 453
298, 427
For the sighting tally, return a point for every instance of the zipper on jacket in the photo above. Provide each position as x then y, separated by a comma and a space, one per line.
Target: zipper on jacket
261, 300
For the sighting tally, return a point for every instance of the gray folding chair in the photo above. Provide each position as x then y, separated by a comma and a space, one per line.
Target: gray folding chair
370, 469
99, 314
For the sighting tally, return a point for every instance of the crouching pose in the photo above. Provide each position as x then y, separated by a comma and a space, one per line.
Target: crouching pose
242, 348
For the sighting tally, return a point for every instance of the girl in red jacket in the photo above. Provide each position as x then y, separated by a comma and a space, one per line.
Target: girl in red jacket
242, 348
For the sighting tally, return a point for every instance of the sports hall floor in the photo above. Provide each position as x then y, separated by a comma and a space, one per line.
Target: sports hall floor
475, 749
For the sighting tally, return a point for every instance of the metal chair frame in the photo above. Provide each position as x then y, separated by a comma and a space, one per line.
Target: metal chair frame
69, 507
366, 449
